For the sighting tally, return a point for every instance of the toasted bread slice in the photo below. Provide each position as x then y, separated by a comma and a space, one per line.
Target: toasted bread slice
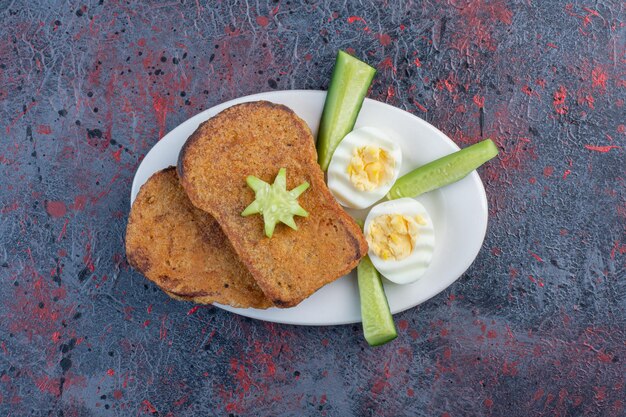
258, 139
183, 250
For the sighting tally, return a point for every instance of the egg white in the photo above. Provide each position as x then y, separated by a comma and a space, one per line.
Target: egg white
411, 268
338, 178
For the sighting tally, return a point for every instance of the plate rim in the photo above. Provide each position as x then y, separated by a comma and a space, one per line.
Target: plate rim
206, 114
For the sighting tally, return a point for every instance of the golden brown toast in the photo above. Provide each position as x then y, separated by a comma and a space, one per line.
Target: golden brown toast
258, 139
183, 250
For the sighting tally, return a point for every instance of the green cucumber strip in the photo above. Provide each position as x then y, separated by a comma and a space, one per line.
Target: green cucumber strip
378, 325
349, 83
443, 171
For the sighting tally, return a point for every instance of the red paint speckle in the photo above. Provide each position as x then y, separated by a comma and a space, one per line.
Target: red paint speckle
44, 129
117, 155
605, 357
110, 372
56, 208
510, 368
532, 180
182, 400
163, 329
79, 202
159, 103
449, 83
63, 230
148, 407
618, 247
11, 207
488, 402
603, 149
262, 21
588, 100
537, 281
527, 90
491, 334
193, 310
621, 129
566, 173
417, 62
47, 385
384, 39
230, 30
599, 78
387, 63
559, 100
410, 392
479, 101
403, 324
420, 106
548, 171
537, 257
353, 19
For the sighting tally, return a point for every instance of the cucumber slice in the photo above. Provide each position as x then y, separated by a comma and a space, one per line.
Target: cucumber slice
348, 86
378, 326
443, 171
274, 202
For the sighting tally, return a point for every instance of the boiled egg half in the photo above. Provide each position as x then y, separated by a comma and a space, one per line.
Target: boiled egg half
401, 239
364, 167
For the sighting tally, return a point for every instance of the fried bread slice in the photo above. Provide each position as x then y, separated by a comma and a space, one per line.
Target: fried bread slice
259, 138
183, 250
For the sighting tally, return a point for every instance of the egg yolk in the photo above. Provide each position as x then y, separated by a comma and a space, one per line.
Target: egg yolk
370, 167
393, 236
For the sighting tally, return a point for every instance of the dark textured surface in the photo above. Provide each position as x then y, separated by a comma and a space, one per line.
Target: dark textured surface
535, 327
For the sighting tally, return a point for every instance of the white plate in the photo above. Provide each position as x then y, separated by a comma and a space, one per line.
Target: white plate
458, 211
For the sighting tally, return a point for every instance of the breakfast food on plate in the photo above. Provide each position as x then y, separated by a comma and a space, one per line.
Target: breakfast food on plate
183, 250
401, 239
259, 139
246, 218
364, 167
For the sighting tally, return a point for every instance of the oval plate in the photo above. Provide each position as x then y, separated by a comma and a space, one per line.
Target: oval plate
458, 211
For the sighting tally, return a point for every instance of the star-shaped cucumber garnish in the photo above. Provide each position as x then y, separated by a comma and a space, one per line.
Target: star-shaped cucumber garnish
274, 202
